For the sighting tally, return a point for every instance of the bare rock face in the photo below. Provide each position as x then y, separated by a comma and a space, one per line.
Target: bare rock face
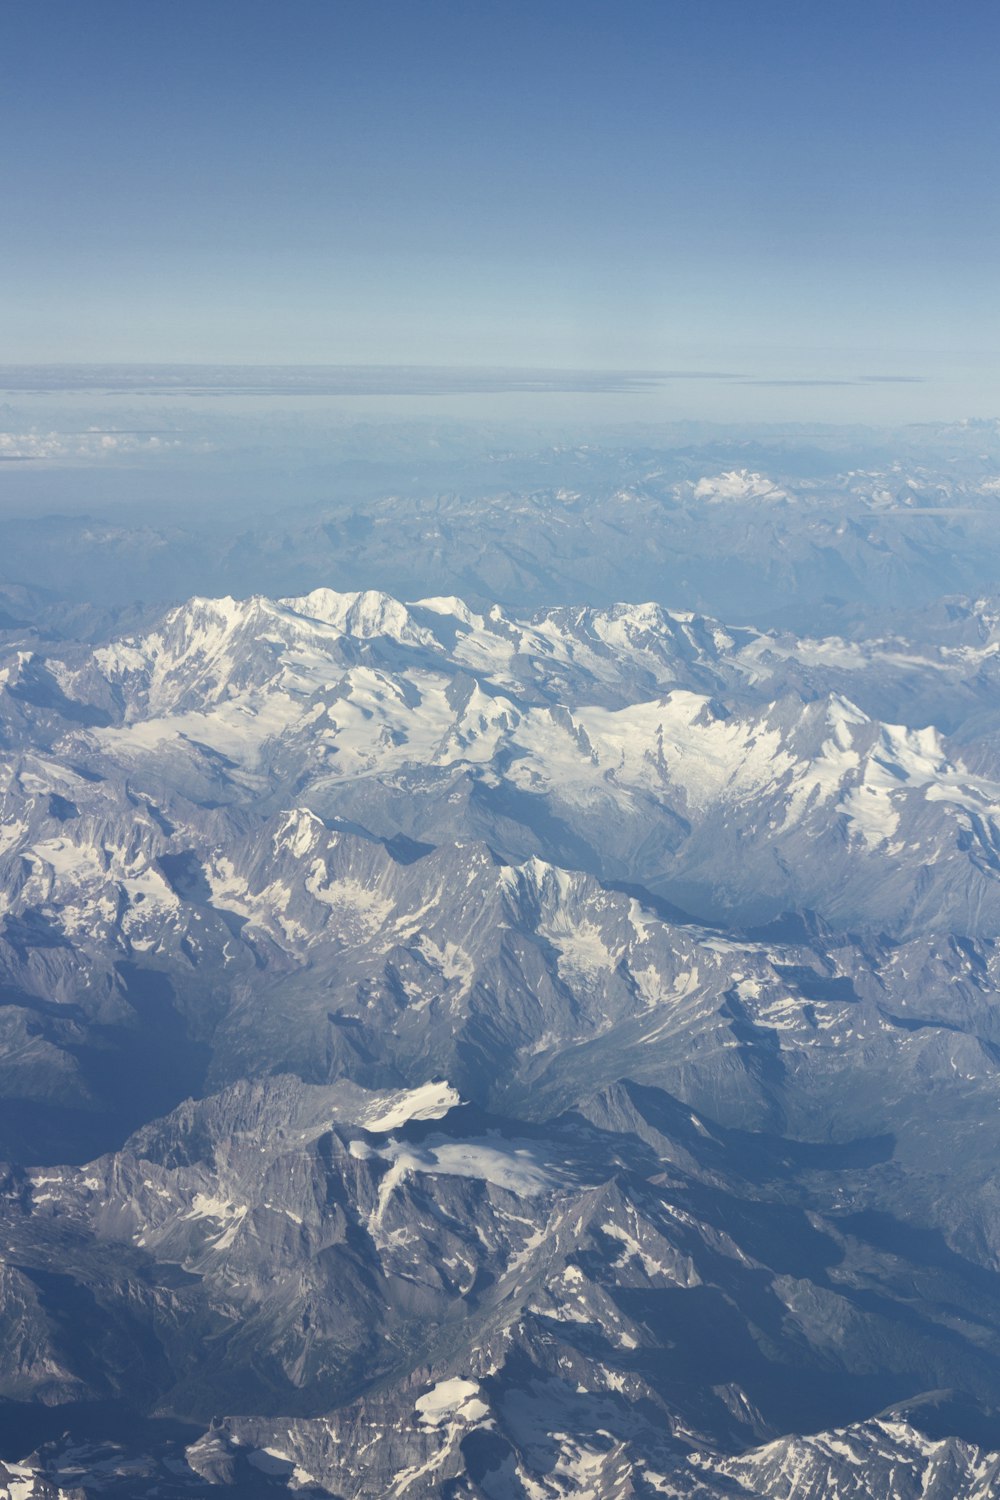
453, 1052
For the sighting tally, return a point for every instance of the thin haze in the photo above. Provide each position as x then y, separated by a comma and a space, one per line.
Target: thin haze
789, 192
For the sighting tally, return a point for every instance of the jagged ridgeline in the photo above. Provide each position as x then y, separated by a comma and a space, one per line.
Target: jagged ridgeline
456, 1052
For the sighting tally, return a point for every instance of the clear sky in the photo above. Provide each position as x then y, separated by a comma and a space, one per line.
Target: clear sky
782, 186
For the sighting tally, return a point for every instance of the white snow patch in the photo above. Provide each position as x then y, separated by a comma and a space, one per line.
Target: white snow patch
450, 1399
516, 1169
428, 1102
358, 911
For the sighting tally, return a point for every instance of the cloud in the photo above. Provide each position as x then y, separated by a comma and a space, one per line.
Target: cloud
92, 444
330, 380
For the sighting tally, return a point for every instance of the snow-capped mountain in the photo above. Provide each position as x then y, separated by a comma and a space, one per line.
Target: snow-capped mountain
638, 745
451, 1052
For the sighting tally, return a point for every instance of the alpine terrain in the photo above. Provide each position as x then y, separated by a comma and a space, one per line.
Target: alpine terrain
453, 1050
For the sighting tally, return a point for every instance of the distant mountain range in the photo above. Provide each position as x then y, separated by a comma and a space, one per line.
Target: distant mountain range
819, 530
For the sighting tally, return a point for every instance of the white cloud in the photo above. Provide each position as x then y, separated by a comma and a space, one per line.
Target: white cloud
92, 444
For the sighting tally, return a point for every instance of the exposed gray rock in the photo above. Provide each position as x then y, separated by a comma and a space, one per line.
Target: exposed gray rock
378, 1122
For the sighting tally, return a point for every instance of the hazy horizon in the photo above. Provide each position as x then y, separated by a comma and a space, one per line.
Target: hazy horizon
770, 391
790, 193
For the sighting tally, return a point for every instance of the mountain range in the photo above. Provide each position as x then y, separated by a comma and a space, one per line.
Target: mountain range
457, 1051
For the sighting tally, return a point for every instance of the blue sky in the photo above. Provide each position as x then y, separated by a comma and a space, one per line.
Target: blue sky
790, 189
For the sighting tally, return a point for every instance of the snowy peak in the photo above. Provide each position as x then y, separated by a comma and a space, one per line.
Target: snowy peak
737, 485
867, 1462
649, 745
365, 616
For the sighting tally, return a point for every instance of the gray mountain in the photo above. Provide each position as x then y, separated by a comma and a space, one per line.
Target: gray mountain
413, 1079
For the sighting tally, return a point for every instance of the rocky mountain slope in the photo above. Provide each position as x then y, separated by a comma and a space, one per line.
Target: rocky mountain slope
446, 1052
